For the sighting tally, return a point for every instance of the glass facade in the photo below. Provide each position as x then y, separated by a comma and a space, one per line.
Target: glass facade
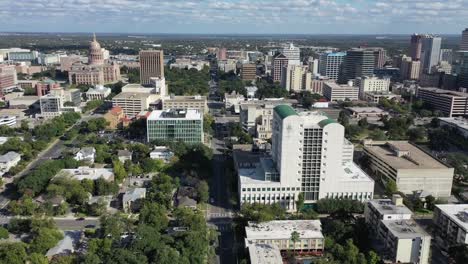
311, 163
188, 131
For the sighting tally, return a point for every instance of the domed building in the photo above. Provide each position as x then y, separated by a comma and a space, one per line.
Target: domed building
96, 53
98, 70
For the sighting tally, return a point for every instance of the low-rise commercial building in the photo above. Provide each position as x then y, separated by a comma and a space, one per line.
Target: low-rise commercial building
100, 92
198, 102
86, 172
175, 125
114, 117
232, 101
412, 169
451, 103
133, 103
162, 153
458, 123
53, 104
375, 97
372, 84
340, 92
450, 225
264, 254
379, 210
366, 112
278, 233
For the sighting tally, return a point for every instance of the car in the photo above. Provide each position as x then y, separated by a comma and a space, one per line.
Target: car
80, 219
90, 226
212, 200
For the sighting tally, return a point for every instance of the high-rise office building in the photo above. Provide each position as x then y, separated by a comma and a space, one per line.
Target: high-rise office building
293, 54
464, 41
151, 65
330, 64
277, 66
221, 55
357, 63
416, 45
430, 52
249, 71
310, 155
446, 55
380, 56
175, 125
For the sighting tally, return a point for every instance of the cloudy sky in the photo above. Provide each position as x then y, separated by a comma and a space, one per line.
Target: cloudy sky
236, 16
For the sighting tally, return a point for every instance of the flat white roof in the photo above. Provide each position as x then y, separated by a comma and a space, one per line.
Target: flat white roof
264, 254
405, 229
82, 173
457, 213
351, 172
282, 229
459, 122
189, 114
366, 109
386, 206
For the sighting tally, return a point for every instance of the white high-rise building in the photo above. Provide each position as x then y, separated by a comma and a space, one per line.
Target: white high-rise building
430, 52
293, 54
310, 155
330, 64
296, 78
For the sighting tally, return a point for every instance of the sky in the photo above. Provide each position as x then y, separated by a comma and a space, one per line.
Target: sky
236, 16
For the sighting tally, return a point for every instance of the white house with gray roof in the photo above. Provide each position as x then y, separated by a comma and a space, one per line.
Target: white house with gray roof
9, 160
86, 154
131, 196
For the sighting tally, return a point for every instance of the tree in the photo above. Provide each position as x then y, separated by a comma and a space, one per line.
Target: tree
416, 134
295, 238
37, 258
458, 254
391, 187
378, 135
300, 202
154, 215
343, 118
438, 139
44, 240
119, 170
150, 165
430, 202
3, 233
363, 123
203, 191
13, 253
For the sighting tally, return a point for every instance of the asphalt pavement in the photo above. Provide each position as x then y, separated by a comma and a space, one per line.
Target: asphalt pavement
63, 223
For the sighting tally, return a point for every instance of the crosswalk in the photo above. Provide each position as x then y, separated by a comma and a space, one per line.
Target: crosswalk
221, 215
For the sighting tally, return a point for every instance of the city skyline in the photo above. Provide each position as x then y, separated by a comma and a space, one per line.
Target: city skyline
236, 16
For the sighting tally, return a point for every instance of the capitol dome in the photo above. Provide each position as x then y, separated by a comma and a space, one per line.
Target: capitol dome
96, 57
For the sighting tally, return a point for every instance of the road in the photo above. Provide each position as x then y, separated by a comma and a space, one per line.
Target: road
64, 223
54, 150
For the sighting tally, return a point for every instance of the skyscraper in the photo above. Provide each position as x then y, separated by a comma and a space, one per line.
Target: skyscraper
277, 66
380, 56
357, 63
416, 45
330, 64
151, 65
464, 41
293, 54
430, 52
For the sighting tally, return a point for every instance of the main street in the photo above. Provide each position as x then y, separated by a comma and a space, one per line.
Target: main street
64, 223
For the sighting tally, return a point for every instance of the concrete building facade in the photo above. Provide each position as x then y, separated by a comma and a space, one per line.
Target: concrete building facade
340, 92
151, 65
450, 103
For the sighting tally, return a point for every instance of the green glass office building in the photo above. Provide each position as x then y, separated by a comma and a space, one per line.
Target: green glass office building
175, 125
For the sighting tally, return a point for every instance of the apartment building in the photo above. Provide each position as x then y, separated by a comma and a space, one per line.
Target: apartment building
450, 225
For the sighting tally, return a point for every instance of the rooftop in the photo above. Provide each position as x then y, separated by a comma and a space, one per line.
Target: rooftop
405, 229
459, 122
134, 194
189, 114
416, 158
131, 95
264, 254
82, 173
442, 92
185, 97
9, 156
457, 213
386, 206
284, 111
366, 109
283, 229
